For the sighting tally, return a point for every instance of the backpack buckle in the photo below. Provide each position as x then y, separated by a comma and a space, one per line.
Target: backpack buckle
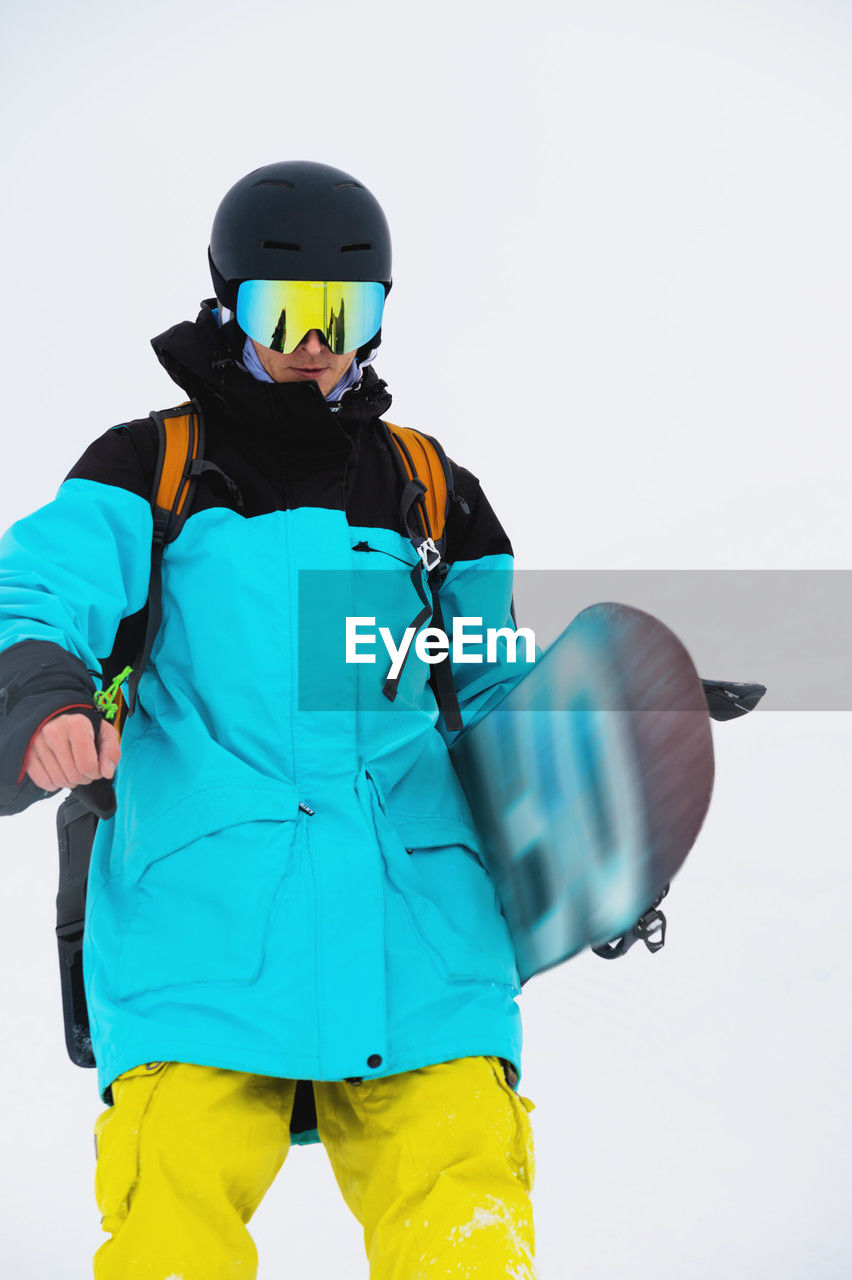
429, 554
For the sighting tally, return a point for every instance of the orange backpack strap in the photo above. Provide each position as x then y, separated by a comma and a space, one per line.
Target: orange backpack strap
428, 490
424, 460
181, 434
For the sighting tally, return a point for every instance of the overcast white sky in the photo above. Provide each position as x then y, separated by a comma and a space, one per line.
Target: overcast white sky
622, 282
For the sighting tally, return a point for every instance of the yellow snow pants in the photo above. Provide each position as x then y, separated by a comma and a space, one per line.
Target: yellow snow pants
436, 1164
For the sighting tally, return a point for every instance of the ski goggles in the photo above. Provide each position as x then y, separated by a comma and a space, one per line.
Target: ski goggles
278, 313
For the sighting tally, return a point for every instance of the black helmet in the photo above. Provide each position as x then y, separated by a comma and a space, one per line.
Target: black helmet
298, 220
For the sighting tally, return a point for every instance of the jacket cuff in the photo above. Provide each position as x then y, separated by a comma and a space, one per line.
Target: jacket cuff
38, 680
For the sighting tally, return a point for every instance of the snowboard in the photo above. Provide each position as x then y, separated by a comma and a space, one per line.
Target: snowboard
589, 783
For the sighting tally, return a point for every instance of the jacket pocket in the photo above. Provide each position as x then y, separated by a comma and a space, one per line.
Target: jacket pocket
203, 880
453, 905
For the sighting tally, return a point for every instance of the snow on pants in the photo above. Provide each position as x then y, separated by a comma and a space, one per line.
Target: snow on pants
436, 1164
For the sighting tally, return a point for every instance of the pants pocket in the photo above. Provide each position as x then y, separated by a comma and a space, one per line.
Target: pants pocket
117, 1141
524, 1152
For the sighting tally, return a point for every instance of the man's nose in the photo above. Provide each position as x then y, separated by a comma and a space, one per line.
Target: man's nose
313, 342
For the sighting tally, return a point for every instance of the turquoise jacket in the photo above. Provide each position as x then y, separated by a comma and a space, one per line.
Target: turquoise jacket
291, 884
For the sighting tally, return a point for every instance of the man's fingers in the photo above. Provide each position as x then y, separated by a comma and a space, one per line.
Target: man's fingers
63, 753
43, 768
66, 736
109, 749
40, 773
81, 747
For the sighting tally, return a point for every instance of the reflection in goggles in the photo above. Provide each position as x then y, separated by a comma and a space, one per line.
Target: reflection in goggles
335, 331
278, 313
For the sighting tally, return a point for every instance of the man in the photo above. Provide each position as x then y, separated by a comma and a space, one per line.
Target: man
289, 889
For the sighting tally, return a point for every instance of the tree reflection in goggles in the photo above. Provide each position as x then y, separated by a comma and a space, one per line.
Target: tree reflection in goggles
278, 313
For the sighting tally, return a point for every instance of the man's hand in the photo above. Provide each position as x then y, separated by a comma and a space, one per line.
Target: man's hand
63, 753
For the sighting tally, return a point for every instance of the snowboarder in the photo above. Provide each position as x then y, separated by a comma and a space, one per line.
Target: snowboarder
288, 929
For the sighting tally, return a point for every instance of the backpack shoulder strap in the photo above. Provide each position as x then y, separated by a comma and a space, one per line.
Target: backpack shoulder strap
181, 442
428, 489
180, 432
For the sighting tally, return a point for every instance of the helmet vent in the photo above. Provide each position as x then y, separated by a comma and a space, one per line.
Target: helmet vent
351, 248
347, 186
276, 182
280, 244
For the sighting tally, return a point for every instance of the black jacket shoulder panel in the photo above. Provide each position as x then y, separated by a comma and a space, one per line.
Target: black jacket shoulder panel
124, 456
479, 532
373, 490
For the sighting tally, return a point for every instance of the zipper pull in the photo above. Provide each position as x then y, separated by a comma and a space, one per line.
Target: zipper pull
105, 700
306, 808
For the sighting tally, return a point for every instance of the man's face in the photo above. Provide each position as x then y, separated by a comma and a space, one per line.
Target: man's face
312, 361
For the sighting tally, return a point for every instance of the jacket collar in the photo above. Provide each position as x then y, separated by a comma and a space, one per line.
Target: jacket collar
202, 359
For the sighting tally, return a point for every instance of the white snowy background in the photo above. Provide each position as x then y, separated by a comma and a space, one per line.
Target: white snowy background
622, 297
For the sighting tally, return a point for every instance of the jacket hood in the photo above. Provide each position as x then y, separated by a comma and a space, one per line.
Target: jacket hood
203, 359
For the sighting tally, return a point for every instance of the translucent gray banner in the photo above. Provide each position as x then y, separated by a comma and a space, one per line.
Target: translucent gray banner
790, 629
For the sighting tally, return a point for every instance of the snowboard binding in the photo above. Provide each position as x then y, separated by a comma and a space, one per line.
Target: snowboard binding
726, 700
650, 928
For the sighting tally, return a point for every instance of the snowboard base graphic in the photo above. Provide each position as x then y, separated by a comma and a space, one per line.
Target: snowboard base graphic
589, 782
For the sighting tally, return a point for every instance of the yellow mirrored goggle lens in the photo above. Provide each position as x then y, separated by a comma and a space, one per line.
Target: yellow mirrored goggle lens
278, 313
